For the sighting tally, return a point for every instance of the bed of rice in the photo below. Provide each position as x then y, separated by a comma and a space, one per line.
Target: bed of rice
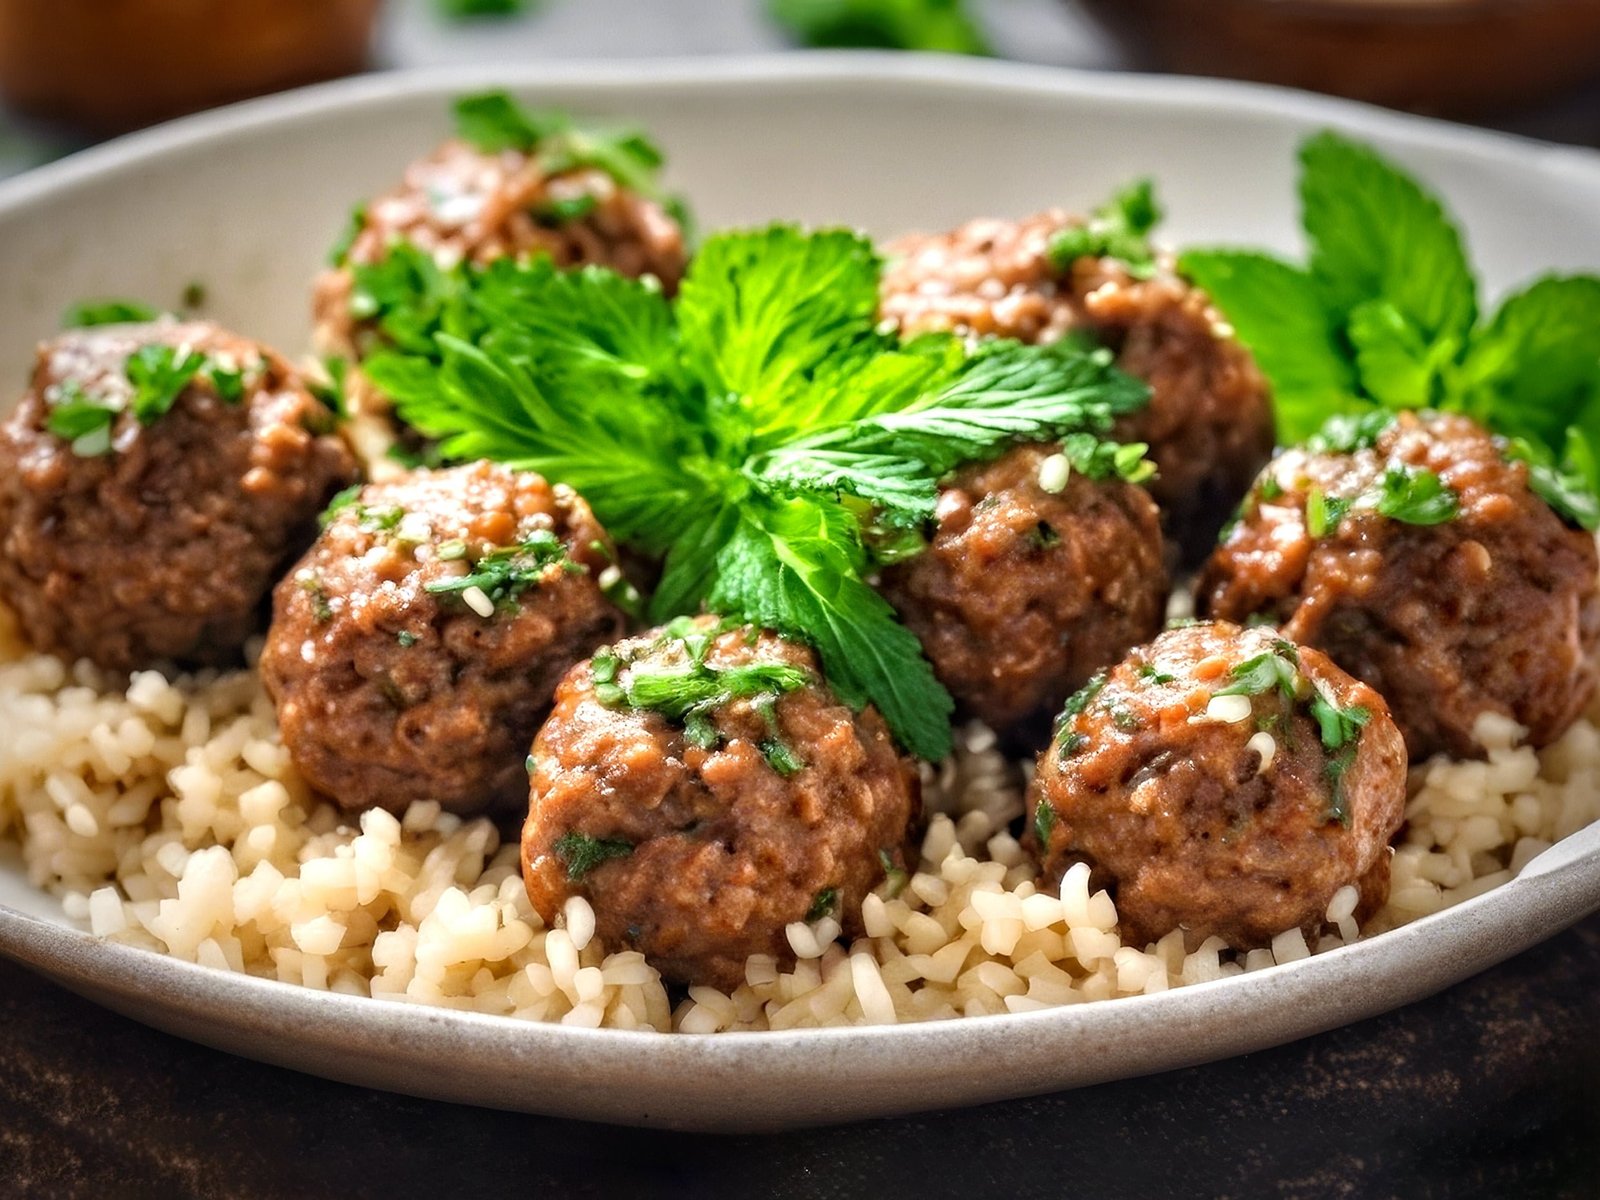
167, 815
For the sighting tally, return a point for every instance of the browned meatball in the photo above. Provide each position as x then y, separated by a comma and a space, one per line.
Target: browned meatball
1223, 780
153, 481
1209, 420
1024, 592
464, 204
703, 788
415, 648
1492, 610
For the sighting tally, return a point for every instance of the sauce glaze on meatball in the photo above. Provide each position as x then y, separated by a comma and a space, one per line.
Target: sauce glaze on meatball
1225, 781
1024, 591
1495, 610
698, 836
130, 540
415, 648
1209, 420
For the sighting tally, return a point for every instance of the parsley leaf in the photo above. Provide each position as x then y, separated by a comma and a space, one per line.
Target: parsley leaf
85, 423
942, 25
159, 374
1277, 668
503, 574
106, 312
580, 853
1118, 229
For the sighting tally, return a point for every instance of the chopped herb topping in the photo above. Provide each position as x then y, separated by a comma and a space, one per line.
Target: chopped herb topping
1044, 820
1324, 512
1150, 674
893, 875
81, 421
564, 212
1125, 720
1340, 730
1119, 229
1082, 698
406, 638
339, 252
1417, 497
106, 312
824, 904
1270, 488
160, 373
341, 501
506, 572
675, 693
311, 584
333, 394
1071, 743
580, 853
1278, 668
1347, 433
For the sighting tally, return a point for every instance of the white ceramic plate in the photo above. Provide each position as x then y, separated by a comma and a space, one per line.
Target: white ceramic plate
246, 200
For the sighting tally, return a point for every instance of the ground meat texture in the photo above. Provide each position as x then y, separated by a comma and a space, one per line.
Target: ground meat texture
1495, 611
390, 690
1223, 815
463, 204
1024, 593
160, 542
1209, 420
699, 846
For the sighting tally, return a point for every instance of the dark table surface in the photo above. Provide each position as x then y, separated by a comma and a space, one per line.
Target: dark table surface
1490, 1089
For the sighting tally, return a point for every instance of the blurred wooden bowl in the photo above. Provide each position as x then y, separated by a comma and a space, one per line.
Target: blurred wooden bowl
108, 65
1462, 58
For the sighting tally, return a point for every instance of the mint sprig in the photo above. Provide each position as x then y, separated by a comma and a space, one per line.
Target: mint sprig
753, 433
1384, 315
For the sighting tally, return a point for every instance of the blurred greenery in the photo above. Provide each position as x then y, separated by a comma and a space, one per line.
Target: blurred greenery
945, 25
462, 10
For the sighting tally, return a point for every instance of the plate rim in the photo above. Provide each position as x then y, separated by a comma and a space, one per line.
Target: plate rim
1559, 887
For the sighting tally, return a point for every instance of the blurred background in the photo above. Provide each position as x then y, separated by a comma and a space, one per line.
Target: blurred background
75, 71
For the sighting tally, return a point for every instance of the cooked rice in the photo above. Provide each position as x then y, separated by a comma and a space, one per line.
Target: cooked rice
167, 815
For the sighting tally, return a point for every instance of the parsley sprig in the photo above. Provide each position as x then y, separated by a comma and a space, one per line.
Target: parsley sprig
1384, 316
503, 574
753, 432
158, 375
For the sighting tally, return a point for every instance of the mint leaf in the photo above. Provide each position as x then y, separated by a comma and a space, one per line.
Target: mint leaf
760, 312
796, 567
1377, 234
1276, 311
1397, 367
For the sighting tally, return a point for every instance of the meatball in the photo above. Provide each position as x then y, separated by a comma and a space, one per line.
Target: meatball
1225, 781
1031, 584
415, 648
1493, 608
1209, 420
464, 204
703, 788
154, 479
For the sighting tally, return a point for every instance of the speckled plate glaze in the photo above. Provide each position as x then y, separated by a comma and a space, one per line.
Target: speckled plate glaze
247, 199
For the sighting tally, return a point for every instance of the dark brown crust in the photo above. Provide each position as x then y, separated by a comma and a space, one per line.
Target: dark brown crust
1497, 611
447, 716
494, 198
1175, 816
727, 852
164, 548
1023, 594
1209, 421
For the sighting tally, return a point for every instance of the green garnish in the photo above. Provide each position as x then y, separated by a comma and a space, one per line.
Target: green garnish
311, 584
1384, 316
506, 572
159, 374
107, 312
406, 638
493, 121
1340, 730
332, 394
1118, 229
939, 25
1324, 512
564, 212
1347, 433
74, 417
754, 432
894, 876
1044, 820
466, 10
341, 501
825, 903
1125, 720
339, 252
676, 693
1150, 674
1417, 497
1071, 743
1270, 488
580, 853
1278, 668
